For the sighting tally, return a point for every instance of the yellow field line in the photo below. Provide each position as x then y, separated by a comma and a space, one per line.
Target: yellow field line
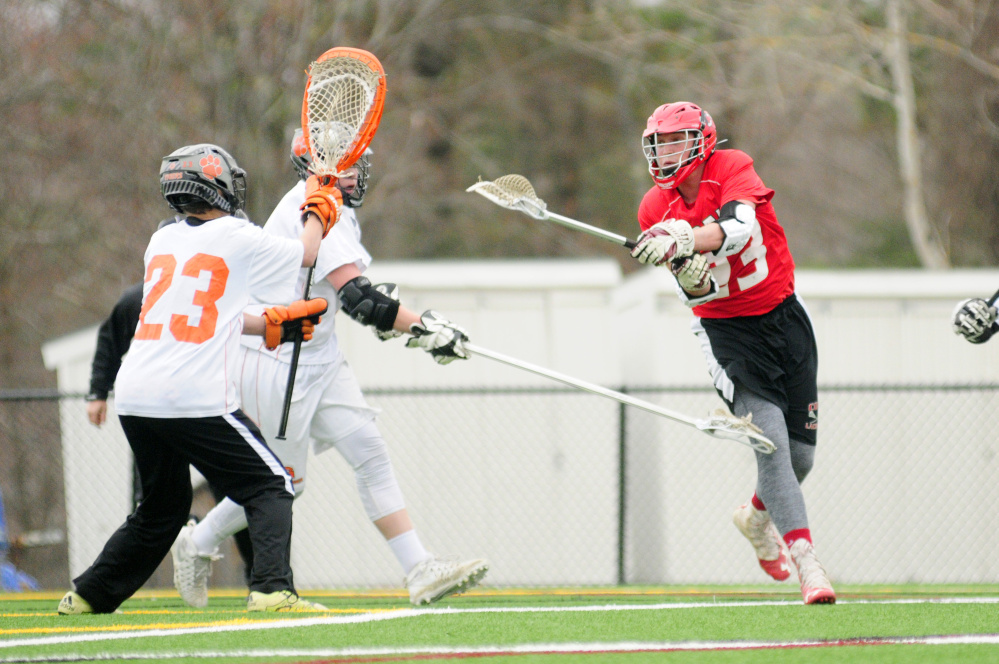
166, 612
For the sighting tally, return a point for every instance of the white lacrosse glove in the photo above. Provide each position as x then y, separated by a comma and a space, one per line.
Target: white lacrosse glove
692, 273
974, 319
444, 340
392, 291
659, 244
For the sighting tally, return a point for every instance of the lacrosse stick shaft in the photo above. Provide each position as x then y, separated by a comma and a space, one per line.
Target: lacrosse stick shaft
581, 384
762, 443
514, 192
293, 368
592, 230
992, 300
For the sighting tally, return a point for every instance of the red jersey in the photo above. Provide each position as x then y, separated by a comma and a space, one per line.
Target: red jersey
758, 278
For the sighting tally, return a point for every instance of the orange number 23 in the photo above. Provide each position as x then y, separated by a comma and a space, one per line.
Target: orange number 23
180, 328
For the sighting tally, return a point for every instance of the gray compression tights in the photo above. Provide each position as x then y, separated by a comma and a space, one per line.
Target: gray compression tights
779, 474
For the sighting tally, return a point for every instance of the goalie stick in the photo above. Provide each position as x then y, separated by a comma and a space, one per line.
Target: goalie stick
342, 107
515, 192
720, 424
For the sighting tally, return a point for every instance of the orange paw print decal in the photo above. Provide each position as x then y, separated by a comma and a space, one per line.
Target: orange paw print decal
298, 146
211, 166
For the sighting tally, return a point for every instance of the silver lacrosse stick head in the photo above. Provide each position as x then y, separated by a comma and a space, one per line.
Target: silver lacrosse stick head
723, 424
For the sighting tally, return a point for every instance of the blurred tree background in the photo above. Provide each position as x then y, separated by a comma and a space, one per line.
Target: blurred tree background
869, 118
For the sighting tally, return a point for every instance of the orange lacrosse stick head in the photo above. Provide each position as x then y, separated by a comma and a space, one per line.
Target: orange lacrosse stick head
342, 107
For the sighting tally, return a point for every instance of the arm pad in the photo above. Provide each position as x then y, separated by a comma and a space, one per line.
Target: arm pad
360, 300
737, 221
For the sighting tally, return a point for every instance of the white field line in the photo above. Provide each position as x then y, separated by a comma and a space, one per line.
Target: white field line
526, 649
288, 623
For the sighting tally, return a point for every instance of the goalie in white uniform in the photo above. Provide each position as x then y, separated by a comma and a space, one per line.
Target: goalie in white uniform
328, 406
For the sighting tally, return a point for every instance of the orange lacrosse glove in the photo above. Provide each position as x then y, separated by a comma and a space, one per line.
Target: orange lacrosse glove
323, 200
296, 321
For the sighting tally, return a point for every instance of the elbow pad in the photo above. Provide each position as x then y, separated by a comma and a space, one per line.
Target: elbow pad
368, 306
737, 221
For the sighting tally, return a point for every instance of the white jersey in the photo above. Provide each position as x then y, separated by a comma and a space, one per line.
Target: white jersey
341, 247
183, 360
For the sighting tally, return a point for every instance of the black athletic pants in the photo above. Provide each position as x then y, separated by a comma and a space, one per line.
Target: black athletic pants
242, 538
232, 455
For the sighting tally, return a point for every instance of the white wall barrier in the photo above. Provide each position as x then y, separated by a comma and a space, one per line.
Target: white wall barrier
531, 482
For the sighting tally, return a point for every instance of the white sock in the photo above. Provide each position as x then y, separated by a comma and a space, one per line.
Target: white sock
408, 550
222, 522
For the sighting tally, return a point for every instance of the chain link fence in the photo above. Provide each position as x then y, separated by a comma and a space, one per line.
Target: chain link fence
560, 487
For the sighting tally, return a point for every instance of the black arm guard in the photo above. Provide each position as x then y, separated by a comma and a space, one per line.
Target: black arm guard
367, 306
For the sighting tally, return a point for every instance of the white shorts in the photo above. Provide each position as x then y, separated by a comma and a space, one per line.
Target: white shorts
327, 406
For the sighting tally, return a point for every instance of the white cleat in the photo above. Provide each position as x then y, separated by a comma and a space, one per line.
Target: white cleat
436, 578
191, 569
770, 549
815, 585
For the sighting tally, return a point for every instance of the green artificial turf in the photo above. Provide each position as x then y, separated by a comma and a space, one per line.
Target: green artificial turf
386, 628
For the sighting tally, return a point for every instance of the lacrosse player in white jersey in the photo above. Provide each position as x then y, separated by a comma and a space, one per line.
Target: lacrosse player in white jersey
328, 405
176, 391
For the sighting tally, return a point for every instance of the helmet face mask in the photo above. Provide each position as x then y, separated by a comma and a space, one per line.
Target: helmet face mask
198, 178
692, 139
302, 161
355, 198
667, 157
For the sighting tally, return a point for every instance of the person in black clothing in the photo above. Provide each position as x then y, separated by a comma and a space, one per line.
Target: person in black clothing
113, 340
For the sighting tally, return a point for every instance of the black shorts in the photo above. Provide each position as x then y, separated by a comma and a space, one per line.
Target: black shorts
773, 356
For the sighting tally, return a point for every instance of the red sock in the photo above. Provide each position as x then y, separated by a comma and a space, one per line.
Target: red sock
758, 504
797, 534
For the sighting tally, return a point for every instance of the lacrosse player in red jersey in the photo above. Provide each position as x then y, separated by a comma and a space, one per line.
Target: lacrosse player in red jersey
709, 219
176, 391
329, 408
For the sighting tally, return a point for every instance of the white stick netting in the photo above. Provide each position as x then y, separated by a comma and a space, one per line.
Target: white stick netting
340, 94
510, 189
724, 424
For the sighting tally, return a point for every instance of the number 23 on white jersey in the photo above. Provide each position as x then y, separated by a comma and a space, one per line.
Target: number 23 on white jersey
179, 324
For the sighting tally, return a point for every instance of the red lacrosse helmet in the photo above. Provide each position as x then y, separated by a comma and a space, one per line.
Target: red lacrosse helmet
670, 163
